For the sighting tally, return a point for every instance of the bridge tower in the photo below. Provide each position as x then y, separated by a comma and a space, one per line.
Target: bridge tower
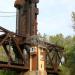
26, 18
26, 25
37, 60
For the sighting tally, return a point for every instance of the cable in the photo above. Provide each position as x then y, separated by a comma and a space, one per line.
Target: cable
6, 12
9, 16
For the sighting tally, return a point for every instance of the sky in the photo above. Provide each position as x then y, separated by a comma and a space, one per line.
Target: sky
54, 16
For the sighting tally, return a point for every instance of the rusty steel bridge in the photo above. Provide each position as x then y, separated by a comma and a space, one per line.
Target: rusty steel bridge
24, 38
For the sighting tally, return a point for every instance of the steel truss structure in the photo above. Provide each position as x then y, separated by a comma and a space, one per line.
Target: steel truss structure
25, 37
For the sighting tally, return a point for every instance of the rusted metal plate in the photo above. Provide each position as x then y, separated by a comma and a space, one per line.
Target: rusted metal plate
19, 3
27, 19
34, 1
13, 66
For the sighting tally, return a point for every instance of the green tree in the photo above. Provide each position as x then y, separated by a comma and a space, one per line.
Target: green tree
57, 39
69, 47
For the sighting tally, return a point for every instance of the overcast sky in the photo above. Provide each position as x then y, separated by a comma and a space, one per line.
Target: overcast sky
54, 16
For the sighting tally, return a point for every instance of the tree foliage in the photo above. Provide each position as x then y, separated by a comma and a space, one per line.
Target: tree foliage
68, 43
68, 68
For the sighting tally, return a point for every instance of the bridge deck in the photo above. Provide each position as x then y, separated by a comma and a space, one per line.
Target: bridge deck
51, 71
13, 66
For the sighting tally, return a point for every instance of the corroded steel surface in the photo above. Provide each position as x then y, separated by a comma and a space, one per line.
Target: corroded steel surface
26, 23
13, 66
54, 53
15, 43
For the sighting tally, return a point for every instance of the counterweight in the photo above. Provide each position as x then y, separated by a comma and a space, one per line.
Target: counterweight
27, 11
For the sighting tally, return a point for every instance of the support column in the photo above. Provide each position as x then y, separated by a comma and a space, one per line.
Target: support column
37, 61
